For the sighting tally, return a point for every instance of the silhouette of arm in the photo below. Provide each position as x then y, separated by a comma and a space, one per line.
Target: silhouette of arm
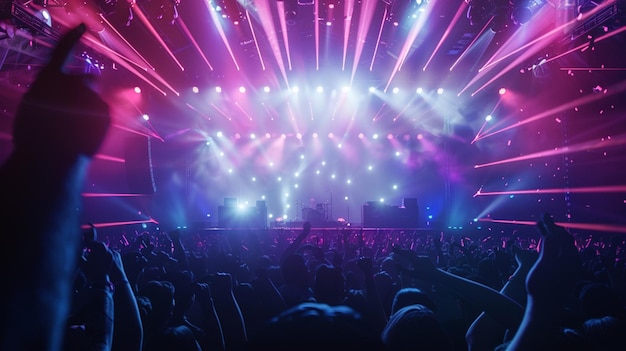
486, 333
59, 125
293, 247
128, 330
500, 307
549, 280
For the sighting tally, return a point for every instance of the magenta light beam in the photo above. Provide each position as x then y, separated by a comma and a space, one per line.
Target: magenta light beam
590, 145
125, 41
582, 226
116, 224
471, 44
256, 42
580, 190
455, 19
220, 29
183, 26
380, 33
156, 35
111, 195
365, 21
347, 14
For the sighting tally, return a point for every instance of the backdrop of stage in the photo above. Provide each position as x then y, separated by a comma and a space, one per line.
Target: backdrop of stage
374, 214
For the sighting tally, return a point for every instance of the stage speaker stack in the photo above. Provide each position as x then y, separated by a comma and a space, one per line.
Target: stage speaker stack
138, 162
379, 215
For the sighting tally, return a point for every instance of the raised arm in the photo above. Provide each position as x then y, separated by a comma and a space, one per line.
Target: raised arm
550, 279
291, 249
501, 308
59, 125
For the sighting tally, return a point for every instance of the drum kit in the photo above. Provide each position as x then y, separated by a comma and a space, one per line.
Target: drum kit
317, 214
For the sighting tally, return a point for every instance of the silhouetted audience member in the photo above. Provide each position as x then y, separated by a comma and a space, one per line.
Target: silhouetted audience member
315, 326
412, 296
295, 273
329, 285
159, 334
415, 327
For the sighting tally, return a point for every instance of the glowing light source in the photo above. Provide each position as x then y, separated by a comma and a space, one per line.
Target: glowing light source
137, 90
502, 91
396, 90
220, 134
419, 90
242, 89
145, 117
372, 89
218, 89
440, 91
266, 89
195, 90
320, 89
252, 136
375, 136
488, 118
295, 90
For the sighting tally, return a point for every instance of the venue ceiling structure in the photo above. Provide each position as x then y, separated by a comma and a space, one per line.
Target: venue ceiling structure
485, 111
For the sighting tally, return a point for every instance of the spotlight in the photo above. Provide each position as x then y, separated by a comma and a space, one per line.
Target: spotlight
266, 89
440, 91
372, 89
320, 89
242, 90
218, 89
523, 10
145, 117
396, 90
137, 90
502, 91
195, 90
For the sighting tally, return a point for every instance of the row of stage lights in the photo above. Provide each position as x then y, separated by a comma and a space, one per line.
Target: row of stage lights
374, 136
319, 89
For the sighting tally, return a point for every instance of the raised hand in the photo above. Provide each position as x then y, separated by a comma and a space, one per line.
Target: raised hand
558, 266
97, 262
61, 114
